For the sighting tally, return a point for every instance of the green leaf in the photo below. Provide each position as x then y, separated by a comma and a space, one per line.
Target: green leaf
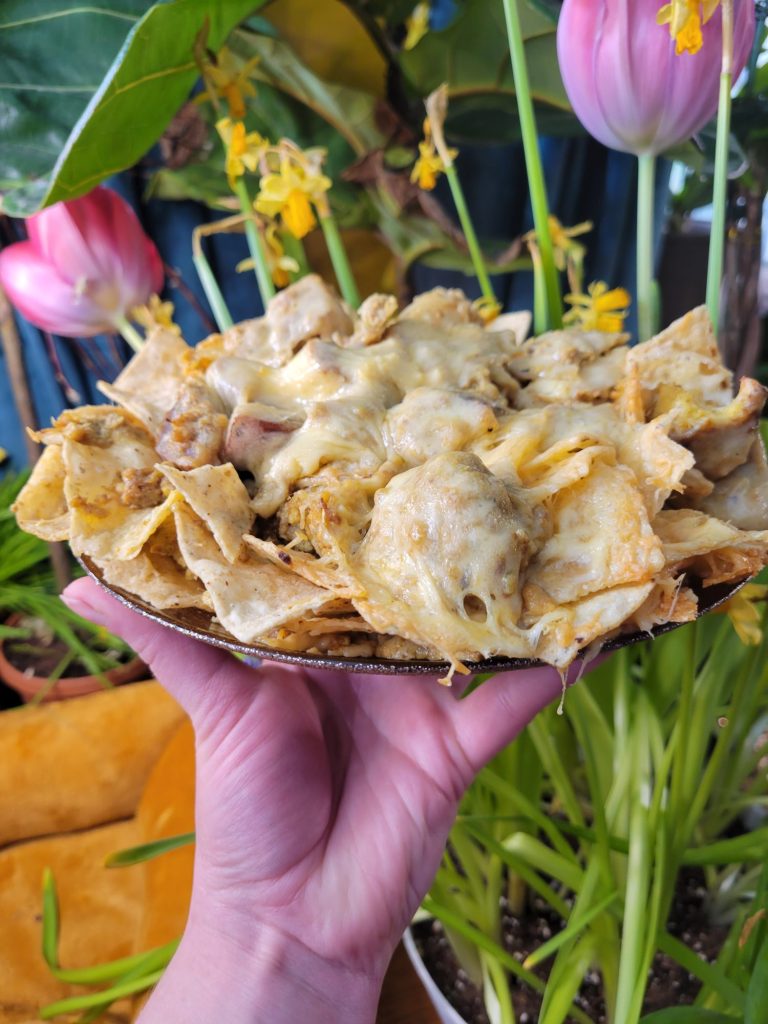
752, 846
148, 851
350, 111
106, 996
124, 969
50, 943
483, 942
565, 981
127, 106
42, 95
472, 56
687, 1015
757, 992
571, 931
709, 974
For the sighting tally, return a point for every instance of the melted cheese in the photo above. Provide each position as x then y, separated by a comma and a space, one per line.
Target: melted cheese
442, 559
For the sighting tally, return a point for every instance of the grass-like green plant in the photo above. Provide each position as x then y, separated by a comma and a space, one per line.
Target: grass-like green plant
647, 771
28, 587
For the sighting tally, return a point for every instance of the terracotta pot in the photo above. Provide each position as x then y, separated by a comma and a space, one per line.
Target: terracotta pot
444, 1010
28, 686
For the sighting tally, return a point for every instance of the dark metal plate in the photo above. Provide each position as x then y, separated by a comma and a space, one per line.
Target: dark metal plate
198, 624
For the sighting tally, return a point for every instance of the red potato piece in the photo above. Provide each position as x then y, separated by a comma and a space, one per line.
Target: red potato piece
256, 430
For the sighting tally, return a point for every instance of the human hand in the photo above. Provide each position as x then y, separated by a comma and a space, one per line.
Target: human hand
323, 804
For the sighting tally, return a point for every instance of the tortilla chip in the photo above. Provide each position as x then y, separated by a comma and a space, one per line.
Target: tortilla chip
519, 323
569, 629
686, 354
148, 384
669, 601
41, 507
741, 498
315, 570
218, 496
155, 579
686, 532
91, 424
658, 462
158, 575
250, 597
601, 538
101, 525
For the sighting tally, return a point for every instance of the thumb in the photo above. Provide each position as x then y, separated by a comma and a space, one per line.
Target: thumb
200, 677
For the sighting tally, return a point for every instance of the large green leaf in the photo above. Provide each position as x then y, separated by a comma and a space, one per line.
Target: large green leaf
350, 111
54, 54
472, 56
96, 120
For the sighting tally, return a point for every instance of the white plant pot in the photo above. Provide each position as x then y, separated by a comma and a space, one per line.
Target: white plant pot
444, 1010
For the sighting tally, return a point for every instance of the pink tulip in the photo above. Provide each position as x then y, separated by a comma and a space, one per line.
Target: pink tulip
86, 265
628, 87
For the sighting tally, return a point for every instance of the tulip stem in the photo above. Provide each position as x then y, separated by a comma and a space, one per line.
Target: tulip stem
255, 244
646, 289
720, 184
129, 332
208, 280
339, 259
469, 232
535, 173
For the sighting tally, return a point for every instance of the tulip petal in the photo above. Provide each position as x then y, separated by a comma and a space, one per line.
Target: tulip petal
47, 300
626, 84
98, 238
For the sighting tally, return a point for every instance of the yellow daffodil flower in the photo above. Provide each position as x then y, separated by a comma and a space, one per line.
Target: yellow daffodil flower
280, 265
3, 454
563, 244
685, 18
568, 254
427, 167
429, 164
244, 149
417, 25
600, 310
225, 78
290, 193
156, 313
744, 614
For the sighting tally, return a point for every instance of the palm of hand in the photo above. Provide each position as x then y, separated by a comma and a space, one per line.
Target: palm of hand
325, 800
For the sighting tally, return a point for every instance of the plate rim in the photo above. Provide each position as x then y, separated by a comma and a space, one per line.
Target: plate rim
718, 594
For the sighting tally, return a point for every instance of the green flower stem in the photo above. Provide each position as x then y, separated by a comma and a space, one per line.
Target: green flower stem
534, 170
720, 185
210, 285
129, 332
255, 244
148, 851
294, 247
469, 233
646, 314
339, 260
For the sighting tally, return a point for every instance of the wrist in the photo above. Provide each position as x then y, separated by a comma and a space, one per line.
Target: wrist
256, 975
